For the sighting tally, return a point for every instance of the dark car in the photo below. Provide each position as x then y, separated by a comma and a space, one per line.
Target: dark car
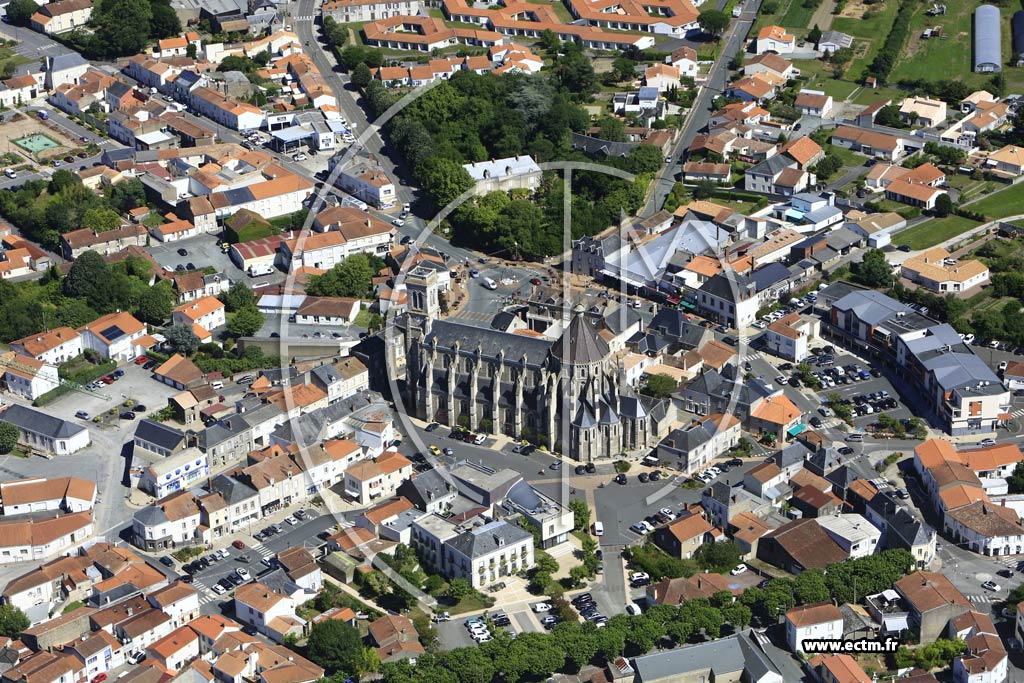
139, 408
580, 469
904, 248
127, 415
69, 159
183, 252
590, 468
166, 561
432, 426
191, 266
816, 422
83, 155
845, 450
875, 372
735, 462
655, 475
620, 478
203, 562
1006, 573
535, 281
149, 365
794, 382
644, 477
186, 578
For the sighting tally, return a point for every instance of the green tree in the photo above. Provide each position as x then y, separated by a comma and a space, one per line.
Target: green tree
1016, 480
337, 647
237, 297
459, 589
713, 21
705, 189
89, 279
943, 205
548, 40
718, 557
580, 513
809, 587
101, 220
350, 278
659, 386
361, 76
246, 322
182, 339
165, 22
873, 270
155, 304
20, 11
12, 621
814, 35
8, 437
612, 129
469, 664
444, 180
122, 27
574, 72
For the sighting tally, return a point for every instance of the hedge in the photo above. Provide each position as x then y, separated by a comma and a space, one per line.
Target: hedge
883, 63
82, 377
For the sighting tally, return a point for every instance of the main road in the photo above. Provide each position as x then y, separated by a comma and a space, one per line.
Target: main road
734, 39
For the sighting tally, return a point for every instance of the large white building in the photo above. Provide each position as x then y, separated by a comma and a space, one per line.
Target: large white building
54, 347
345, 11
513, 173
482, 555
38, 431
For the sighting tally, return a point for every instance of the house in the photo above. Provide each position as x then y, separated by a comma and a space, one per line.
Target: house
504, 175
684, 58
923, 111
169, 523
696, 171
799, 545
882, 176
770, 63
914, 194
791, 336
58, 17
867, 142
877, 228
932, 601
53, 347
175, 473
33, 540
684, 536
67, 494
481, 555
1008, 159
936, 271
752, 89
664, 77
985, 528
316, 310
178, 600
117, 336
691, 449
821, 621
179, 372
207, 312
27, 377
774, 415
831, 41
739, 657
378, 477
301, 568
855, 535
843, 668
813, 103
778, 175
985, 660
366, 181
38, 431
73, 244
395, 638
746, 530
264, 609
702, 585
174, 651
344, 378
774, 39
730, 298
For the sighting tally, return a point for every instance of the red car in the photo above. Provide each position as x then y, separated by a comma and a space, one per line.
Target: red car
107, 379
535, 281
99, 678
239, 545
141, 360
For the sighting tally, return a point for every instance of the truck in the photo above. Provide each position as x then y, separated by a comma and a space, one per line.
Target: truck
260, 269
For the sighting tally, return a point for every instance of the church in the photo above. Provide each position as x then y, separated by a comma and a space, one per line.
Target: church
567, 394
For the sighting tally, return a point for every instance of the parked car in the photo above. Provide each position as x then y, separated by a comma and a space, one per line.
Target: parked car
540, 607
82, 415
739, 569
166, 561
991, 586
441, 616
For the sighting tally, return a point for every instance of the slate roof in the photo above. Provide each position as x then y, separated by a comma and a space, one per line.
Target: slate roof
491, 342
579, 344
485, 540
159, 434
725, 655
40, 423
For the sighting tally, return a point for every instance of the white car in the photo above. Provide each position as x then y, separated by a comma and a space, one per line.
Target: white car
243, 573
478, 629
633, 609
291, 520
398, 222
668, 512
480, 438
218, 589
739, 569
639, 576
483, 637
714, 470
542, 607
760, 325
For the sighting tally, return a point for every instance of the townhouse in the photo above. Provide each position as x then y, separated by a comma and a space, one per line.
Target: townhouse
38, 431
225, 110
692, 448
32, 540
822, 621
482, 555
327, 311
76, 242
378, 477
27, 377
684, 536
792, 336
932, 601
169, 523
345, 11
54, 582
207, 312
366, 180
342, 237
66, 494
504, 175
269, 612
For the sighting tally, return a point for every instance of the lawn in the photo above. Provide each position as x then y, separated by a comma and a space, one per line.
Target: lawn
839, 90
849, 157
797, 16
933, 231
873, 30
868, 96
559, 8
934, 58
72, 606
1008, 202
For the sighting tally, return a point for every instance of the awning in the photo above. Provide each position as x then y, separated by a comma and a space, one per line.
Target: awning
895, 623
796, 429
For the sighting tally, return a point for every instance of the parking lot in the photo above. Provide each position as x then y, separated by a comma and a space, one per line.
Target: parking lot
136, 384
202, 251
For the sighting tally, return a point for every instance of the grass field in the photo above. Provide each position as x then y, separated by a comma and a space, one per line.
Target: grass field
797, 16
1008, 202
839, 90
937, 58
934, 231
872, 31
849, 157
868, 96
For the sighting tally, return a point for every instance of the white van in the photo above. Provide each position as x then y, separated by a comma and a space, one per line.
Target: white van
218, 385
260, 269
489, 283
598, 529
650, 461
10, 173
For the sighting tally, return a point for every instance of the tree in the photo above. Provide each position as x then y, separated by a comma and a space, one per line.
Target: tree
237, 297
20, 11
246, 322
182, 339
8, 437
809, 587
155, 304
337, 647
122, 27
101, 220
12, 621
713, 21
889, 115
704, 189
459, 589
350, 278
548, 39
612, 129
873, 271
89, 279
814, 35
361, 75
574, 72
718, 557
165, 22
943, 205
580, 513
1016, 480
444, 180
660, 386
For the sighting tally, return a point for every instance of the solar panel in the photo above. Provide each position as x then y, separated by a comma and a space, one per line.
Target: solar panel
112, 333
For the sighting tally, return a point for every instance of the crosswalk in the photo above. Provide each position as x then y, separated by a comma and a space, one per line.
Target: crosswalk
479, 316
1018, 413
751, 356
305, 17
982, 599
